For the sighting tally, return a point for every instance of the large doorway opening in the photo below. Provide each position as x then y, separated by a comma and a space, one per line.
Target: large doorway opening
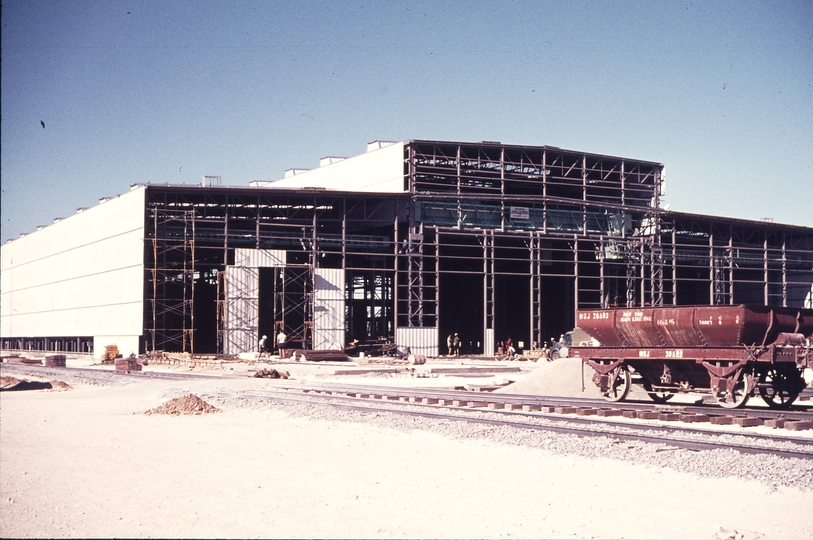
285, 302
461, 292
512, 281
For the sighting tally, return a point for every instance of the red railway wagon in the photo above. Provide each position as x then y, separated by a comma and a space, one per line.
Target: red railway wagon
731, 352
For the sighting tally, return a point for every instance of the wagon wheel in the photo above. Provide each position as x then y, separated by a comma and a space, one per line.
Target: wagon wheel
784, 386
738, 396
657, 396
620, 385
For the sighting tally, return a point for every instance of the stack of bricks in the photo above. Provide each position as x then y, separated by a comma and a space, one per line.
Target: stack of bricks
127, 364
55, 360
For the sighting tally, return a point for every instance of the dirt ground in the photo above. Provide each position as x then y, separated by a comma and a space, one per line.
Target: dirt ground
86, 462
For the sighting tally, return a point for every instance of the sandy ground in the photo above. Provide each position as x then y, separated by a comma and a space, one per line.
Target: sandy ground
86, 463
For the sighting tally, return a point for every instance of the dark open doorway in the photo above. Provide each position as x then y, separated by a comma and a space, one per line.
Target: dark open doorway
461, 292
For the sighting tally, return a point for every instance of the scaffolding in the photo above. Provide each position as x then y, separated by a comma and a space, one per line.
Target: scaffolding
170, 267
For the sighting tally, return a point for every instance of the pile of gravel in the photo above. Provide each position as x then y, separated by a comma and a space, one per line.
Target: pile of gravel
188, 404
562, 378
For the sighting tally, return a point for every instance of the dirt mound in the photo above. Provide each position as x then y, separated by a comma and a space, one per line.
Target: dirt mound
59, 386
561, 377
188, 404
7, 382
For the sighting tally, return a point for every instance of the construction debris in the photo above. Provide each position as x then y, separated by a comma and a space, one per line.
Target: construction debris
271, 374
319, 356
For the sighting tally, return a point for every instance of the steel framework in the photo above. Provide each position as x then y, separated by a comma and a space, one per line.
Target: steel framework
489, 240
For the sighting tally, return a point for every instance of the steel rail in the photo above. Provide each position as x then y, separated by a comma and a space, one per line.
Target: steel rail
805, 413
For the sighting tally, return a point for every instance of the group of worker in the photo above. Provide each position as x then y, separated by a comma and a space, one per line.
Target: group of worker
263, 347
453, 344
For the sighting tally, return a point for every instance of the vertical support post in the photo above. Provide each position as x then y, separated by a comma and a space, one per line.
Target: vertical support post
154, 277
712, 281
226, 232
575, 274
396, 273
459, 207
437, 279
584, 195
642, 260
765, 300
257, 224
545, 191
731, 268
602, 294
502, 188
784, 271
674, 268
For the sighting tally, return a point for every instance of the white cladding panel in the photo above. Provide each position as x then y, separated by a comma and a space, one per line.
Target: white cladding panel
82, 276
419, 340
488, 345
378, 171
242, 308
328, 309
259, 258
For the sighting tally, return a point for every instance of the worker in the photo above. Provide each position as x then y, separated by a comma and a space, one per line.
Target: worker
262, 347
281, 338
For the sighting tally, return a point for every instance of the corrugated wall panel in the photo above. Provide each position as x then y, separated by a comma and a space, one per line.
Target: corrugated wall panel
242, 309
419, 340
328, 309
259, 258
488, 344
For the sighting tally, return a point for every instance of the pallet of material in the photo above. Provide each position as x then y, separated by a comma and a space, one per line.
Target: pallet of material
321, 356
31, 361
55, 360
127, 364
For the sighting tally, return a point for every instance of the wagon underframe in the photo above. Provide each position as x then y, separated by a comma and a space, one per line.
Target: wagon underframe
730, 374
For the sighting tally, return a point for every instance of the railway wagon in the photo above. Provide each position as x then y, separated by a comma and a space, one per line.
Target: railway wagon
731, 352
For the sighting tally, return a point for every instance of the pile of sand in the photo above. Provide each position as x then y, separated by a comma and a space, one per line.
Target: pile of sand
561, 378
188, 404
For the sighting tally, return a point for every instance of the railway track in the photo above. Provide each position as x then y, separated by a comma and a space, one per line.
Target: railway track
676, 437
673, 426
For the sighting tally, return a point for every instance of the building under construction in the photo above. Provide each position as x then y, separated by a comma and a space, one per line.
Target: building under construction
407, 243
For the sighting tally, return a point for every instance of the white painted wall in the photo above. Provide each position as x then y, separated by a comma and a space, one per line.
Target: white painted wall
380, 171
82, 276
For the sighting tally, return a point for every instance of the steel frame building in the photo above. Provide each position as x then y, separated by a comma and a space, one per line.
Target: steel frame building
409, 242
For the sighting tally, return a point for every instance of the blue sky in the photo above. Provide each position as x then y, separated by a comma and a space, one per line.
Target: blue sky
169, 91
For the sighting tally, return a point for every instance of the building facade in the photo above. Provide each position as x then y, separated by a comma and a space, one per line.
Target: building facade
409, 242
